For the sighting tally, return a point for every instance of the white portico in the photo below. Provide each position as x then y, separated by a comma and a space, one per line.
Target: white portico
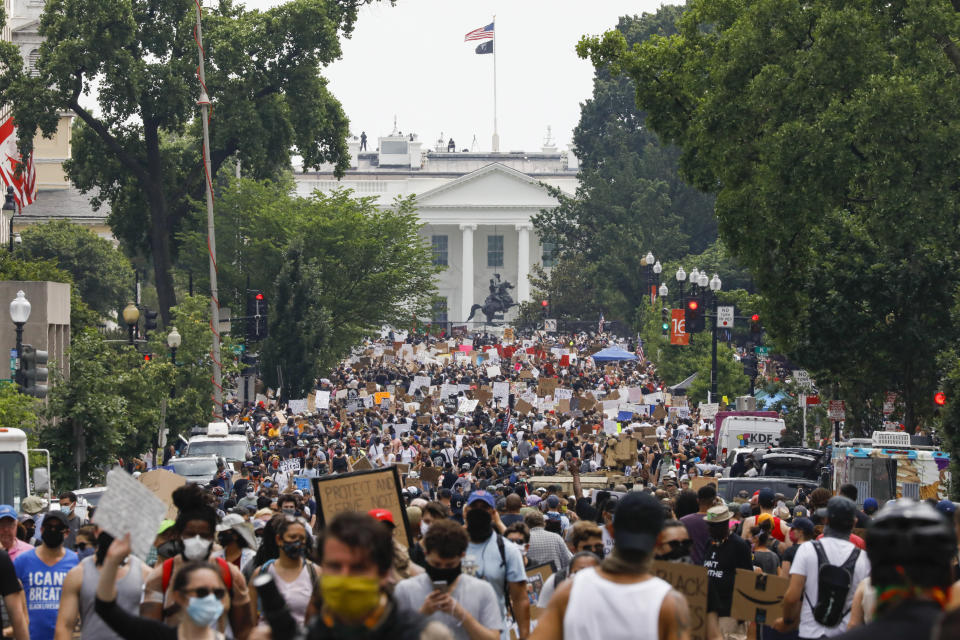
477, 211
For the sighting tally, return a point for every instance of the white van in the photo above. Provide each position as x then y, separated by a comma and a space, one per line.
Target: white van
221, 441
748, 432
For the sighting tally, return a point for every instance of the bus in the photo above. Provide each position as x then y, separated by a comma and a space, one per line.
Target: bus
887, 466
15, 482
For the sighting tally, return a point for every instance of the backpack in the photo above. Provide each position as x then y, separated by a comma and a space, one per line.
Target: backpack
224, 570
833, 586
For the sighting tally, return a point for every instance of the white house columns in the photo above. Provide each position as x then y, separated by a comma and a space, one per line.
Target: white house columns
466, 262
523, 262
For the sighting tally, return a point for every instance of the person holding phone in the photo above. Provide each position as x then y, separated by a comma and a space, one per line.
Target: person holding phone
464, 604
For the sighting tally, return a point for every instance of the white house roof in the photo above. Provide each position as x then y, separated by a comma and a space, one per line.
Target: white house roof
492, 186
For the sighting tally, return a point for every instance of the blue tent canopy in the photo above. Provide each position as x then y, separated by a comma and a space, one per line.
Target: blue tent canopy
612, 354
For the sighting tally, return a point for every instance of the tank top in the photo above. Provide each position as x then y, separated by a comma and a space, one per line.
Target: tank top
297, 593
599, 608
129, 589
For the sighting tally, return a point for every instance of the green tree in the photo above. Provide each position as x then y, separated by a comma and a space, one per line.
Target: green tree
631, 198
139, 149
368, 261
827, 131
570, 290
102, 274
17, 411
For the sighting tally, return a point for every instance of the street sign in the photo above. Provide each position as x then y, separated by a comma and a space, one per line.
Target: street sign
550, 325
801, 377
889, 403
836, 410
678, 327
762, 351
725, 317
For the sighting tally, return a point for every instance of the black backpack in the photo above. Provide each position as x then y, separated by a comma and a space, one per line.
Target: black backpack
833, 586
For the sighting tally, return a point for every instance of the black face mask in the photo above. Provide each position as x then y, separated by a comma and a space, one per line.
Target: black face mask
294, 549
719, 532
446, 575
170, 548
479, 525
52, 538
679, 551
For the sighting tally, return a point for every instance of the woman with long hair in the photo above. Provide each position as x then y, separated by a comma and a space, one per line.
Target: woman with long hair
295, 576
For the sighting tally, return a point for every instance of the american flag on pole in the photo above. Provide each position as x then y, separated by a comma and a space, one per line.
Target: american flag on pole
24, 185
483, 33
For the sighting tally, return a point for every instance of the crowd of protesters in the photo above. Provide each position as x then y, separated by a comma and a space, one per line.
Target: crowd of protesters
483, 508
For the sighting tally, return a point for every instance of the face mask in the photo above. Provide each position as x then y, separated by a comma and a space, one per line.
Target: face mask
294, 549
65, 509
289, 511
170, 548
423, 528
719, 532
251, 493
675, 555
196, 548
446, 575
205, 611
479, 525
350, 597
51, 538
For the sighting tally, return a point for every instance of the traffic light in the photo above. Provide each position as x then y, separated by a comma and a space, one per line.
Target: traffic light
147, 357
693, 316
256, 316
749, 366
940, 398
248, 363
34, 372
545, 308
755, 326
665, 321
149, 320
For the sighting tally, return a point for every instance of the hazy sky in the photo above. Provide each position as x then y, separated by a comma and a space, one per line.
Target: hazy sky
410, 61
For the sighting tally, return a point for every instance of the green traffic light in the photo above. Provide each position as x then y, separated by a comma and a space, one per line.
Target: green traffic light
665, 326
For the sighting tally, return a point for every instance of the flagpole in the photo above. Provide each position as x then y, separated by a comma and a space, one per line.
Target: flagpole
496, 136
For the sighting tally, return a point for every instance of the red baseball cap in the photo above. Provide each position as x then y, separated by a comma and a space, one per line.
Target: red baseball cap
382, 515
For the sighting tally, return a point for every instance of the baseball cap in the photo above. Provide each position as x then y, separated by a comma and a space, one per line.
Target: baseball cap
745, 510
944, 506
871, 503
766, 497
719, 513
552, 502
164, 525
804, 524
481, 495
841, 513
383, 515
33, 504
6, 511
55, 515
637, 522
533, 500
800, 511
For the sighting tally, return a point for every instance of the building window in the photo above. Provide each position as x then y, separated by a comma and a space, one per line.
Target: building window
439, 244
494, 251
32, 59
550, 254
439, 313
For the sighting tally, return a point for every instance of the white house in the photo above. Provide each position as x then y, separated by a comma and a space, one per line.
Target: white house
476, 209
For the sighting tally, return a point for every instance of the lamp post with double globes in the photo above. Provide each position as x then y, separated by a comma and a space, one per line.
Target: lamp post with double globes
714, 289
131, 315
19, 313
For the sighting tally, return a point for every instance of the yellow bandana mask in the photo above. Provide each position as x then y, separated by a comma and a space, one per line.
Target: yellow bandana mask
350, 597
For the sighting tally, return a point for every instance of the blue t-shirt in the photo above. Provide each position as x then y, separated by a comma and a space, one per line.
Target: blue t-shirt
491, 568
42, 584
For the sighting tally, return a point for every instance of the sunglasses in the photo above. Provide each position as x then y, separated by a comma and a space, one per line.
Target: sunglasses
203, 592
597, 548
681, 544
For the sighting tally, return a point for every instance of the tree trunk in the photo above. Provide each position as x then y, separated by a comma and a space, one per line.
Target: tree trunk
159, 225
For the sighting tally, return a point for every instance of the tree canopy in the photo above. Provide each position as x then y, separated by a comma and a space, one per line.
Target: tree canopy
631, 198
828, 131
139, 148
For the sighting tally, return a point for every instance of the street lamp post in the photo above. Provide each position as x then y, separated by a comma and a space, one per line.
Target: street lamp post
131, 315
173, 341
19, 313
681, 275
9, 204
714, 288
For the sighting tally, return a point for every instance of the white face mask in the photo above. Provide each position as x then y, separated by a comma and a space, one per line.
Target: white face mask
196, 548
423, 528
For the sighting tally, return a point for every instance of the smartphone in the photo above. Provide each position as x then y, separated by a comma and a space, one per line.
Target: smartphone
439, 585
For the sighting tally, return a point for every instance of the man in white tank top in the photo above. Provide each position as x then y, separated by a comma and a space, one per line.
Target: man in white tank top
621, 599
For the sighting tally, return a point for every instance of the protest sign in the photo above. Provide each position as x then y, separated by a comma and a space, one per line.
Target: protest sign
691, 581
297, 406
130, 507
536, 577
758, 597
430, 474
493, 371
302, 483
546, 386
362, 464
700, 481
362, 491
523, 407
290, 464
162, 484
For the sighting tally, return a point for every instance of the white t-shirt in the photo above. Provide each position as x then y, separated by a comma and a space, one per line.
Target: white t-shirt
805, 563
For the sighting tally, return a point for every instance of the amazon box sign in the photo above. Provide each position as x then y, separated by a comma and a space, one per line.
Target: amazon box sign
758, 597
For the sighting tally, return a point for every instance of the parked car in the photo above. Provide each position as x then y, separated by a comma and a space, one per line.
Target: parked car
730, 487
198, 469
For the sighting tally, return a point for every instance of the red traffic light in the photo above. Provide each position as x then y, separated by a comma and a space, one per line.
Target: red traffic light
755, 318
544, 303
147, 357
259, 296
693, 305
940, 398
